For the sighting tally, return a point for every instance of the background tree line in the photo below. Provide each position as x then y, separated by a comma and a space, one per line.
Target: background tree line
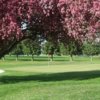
29, 47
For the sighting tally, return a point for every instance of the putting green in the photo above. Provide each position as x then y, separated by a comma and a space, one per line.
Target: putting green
55, 68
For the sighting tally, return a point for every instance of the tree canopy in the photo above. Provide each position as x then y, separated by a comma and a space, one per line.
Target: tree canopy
63, 20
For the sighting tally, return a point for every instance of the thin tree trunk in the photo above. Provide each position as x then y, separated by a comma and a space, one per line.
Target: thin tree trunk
91, 58
71, 57
32, 57
16, 57
51, 57
3, 58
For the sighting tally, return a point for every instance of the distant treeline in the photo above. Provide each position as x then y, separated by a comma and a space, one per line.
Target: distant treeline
37, 47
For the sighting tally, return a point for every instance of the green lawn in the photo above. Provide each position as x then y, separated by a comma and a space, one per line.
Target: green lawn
57, 80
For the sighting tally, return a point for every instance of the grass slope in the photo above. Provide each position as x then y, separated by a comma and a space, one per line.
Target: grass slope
40, 80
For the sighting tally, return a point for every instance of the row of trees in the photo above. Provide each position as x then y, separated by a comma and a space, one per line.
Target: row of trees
27, 47
37, 47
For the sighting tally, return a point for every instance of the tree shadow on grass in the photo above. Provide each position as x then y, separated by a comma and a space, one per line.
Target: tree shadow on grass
83, 75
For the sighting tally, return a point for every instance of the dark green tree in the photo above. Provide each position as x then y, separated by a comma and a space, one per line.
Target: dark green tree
49, 49
18, 50
90, 49
73, 48
31, 47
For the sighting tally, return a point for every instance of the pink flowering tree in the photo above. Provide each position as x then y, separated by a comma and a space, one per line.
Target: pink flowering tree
81, 18
63, 20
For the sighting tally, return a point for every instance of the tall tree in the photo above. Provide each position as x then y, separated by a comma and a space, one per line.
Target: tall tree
32, 47
59, 19
17, 50
49, 49
91, 50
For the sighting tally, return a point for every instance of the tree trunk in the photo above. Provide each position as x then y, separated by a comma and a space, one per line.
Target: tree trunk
91, 58
7, 48
52, 57
3, 58
71, 57
16, 57
32, 57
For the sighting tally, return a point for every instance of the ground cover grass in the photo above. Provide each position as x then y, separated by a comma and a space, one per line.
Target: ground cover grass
56, 80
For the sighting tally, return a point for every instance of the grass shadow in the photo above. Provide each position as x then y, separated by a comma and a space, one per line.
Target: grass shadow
83, 75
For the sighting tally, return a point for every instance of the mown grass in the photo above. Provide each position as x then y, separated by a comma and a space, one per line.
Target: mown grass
57, 80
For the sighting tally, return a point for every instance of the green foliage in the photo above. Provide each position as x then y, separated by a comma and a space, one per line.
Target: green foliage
91, 49
18, 50
27, 47
49, 48
63, 50
74, 48
57, 50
